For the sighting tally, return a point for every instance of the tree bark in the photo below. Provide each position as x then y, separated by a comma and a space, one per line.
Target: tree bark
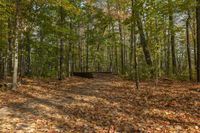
168, 54
198, 39
172, 37
10, 41
188, 47
28, 49
193, 28
121, 46
61, 46
172, 41
16, 43
143, 41
80, 49
87, 52
134, 46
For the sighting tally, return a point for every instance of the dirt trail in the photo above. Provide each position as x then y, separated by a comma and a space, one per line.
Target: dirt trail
105, 103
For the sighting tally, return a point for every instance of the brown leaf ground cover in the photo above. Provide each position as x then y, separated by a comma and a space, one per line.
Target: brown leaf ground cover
103, 104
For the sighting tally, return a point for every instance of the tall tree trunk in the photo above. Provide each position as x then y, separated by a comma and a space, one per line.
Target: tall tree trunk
87, 57
115, 49
198, 39
8, 58
1, 64
28, 49
16, 43
60, 77
188, 46
168, 53
69, 58
172, 41
143, 40
80, 49
6, 64
193, 29
87, 48
134, 44
121, 46
10, 41
21, 56
111, 49
131, 46
73, 59
135, 60
1, 57
111, 59
70, 53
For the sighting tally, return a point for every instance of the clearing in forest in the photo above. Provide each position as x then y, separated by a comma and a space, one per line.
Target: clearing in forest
103, 104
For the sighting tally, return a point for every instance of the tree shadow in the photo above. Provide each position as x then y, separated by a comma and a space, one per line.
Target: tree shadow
88, 114
98, 104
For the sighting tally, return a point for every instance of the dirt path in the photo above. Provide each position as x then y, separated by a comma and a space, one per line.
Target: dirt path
105, 103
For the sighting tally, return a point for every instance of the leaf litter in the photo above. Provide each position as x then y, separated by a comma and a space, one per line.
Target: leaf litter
106, 104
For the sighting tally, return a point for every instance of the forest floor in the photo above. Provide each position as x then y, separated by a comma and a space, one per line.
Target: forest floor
105, 104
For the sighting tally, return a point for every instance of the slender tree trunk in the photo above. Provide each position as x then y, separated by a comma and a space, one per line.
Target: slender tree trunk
98, 58
69, 59
60, 77
61, 59
10, 41
111, 59
157, 55
131, 47
136, 62
87, 48
21, 56
198, 39
1, 57
144, 41
125, 51
16, 43
193, 29
6, 65
168, 54
172, 41
80, 57
122, 46
39, 70
115, 49
70, 65
73, 59
87, 57
195, 44
112, 47
80, 49
8, 52
134, 44
28, 49
1, 64
165, 56
188, 47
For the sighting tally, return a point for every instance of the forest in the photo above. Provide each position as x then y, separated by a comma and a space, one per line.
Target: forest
102, 66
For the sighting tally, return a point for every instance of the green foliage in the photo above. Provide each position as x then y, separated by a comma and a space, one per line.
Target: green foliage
94, 24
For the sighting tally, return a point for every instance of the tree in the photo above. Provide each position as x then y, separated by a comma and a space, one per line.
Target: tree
188, 46
143, 39
198, 39
54, 38
172, 37
16, 43
61, 46
133, 43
